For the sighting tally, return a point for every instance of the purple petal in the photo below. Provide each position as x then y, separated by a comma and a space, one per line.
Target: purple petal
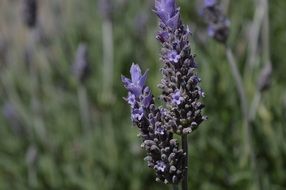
137, 114
142, 79
126, 82
160, 130
147, 97
131, 99
165, 9
160, 166
162, 36
173, 22
173, 56
135, 89
135, 72
177, 99
210, 3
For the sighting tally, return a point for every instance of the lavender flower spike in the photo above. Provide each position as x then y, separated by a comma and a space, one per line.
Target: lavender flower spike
218, 24
180, 83
163, 152
180, 92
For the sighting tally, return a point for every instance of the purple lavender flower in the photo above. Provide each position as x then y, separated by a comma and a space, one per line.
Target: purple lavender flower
137, 114
160, 166
168, 12
173, 56
218, 24
179, 74
180, 91
137, 82
177, 98
163, 151
131, 99
81, 68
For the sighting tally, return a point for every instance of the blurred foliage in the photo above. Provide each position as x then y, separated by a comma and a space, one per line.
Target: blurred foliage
43, 143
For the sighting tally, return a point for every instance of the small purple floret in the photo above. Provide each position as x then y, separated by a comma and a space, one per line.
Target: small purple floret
131, 99
147, 98
137, 82
173, 56
177, 99
210, 3
168, 12
160, 166
160, 130
137, 114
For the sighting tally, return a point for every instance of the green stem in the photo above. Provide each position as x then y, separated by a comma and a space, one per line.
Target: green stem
185, 149
84, 107
254, 105
238, 81
175, 187
243, 101
108, 60
36, 104
248, 147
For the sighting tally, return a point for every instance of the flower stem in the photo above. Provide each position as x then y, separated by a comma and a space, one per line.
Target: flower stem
248, 145
239, 84
108, 64
175, 187
243, 101
254, 105
185, 149
84, 107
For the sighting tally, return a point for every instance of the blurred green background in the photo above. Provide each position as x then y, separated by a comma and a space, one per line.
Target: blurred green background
59, 133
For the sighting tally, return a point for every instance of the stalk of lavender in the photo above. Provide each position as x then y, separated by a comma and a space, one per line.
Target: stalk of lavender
106, 9
181, 93
30, 19
163, 152
13, 117
81, 71
180, 83
264, 81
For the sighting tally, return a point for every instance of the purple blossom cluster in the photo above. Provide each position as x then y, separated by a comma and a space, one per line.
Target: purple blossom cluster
163, 152
218, 24
81, 67
181, 113
180, 83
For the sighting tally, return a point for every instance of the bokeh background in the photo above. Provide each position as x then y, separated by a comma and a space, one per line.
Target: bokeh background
61, 132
